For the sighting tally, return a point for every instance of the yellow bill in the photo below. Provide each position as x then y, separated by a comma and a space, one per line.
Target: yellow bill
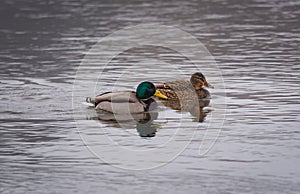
160, 95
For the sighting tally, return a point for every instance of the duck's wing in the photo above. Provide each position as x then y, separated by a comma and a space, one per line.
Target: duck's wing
180, 85
181, 94
120, 102
117, 97
175, 90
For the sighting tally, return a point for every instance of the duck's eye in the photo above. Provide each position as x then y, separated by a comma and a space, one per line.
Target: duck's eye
199, 86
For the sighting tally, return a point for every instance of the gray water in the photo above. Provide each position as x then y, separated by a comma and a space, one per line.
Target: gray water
255, 44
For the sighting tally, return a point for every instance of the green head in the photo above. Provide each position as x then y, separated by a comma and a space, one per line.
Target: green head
147, 89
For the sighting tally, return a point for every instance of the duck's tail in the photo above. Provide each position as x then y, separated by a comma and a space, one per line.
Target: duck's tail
89, 102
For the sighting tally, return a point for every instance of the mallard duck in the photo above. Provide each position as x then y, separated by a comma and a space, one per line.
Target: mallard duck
196, 83
127, 101
182, 94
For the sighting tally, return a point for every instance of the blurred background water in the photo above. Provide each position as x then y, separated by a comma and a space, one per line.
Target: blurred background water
255, 44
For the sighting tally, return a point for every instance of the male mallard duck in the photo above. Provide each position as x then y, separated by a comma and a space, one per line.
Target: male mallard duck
181, 93
127, 101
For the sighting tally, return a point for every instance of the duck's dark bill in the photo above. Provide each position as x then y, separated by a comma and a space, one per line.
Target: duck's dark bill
208, 85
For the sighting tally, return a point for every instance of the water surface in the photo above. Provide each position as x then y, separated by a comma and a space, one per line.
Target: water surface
255, 43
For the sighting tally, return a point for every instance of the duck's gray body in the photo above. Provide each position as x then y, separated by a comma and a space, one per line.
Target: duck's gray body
123, 103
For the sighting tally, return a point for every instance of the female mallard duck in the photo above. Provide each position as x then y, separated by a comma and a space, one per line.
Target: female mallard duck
196, 83
182, 94
127, 101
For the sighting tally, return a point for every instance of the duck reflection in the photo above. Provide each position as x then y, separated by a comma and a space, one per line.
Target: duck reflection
196, 107
199, 111
142, 122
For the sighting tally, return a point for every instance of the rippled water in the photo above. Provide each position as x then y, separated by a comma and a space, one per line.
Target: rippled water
255, 44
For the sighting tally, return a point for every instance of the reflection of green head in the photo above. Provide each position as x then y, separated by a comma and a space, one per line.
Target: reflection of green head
145, 90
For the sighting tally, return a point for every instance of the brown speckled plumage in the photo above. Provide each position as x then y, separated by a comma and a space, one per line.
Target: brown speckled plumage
182, 94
